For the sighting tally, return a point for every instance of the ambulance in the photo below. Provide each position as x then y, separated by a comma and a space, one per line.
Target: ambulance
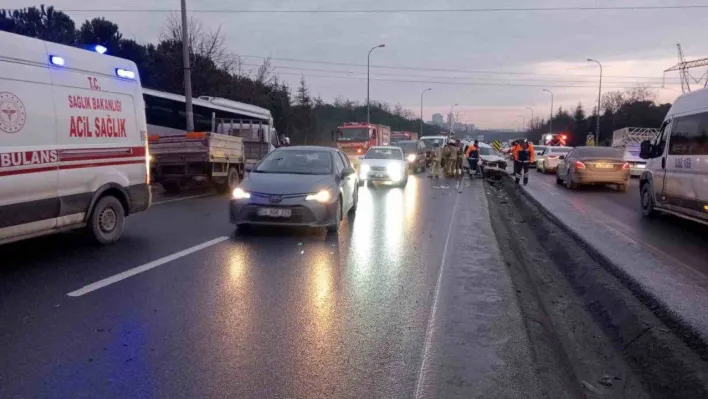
73, 141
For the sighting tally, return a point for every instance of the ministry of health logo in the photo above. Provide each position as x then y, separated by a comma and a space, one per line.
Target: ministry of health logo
12, 113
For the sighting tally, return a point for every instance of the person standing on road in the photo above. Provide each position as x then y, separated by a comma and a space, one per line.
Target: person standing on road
446, 159
452, 162
472, 155
523, 156
460, 156
435, 158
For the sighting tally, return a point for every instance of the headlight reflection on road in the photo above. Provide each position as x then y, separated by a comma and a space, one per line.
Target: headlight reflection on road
361, 245
393, 224
321, 297
411, 202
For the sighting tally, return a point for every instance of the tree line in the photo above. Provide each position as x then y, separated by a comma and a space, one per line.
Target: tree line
215, 71
633, 107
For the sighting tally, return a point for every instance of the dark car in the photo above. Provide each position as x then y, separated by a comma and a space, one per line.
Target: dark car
297, 186
413, 153
593, 165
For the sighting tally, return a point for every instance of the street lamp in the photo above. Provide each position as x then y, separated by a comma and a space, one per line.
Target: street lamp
421, 110
550, 123
523, 119
368, 81
530, 109
450, 115
599, 96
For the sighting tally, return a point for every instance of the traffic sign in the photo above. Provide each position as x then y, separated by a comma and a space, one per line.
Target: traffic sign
496, 144
590, 140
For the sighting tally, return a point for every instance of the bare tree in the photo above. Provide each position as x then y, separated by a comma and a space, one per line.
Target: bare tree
204, 42
265, 72
398, 109
614, 100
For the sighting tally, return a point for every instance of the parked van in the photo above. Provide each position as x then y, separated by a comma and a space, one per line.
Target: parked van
73, 141
676, 177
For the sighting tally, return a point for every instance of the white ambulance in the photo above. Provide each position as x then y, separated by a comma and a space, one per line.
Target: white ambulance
73, 141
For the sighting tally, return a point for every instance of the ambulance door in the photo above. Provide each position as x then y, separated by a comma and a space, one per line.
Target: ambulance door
28, 153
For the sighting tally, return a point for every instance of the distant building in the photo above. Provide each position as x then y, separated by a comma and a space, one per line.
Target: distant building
438, 119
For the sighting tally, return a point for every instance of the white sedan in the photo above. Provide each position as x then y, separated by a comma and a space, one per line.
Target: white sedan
550, 158
383, 164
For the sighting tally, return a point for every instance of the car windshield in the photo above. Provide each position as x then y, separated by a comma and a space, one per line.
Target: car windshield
408, 146
384, 153
353, 134
486, 151
304, 162
539, 148
431, 143
558, 150
599, 152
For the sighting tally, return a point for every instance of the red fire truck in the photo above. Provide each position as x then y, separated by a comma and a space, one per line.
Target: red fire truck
398, 136
355, 138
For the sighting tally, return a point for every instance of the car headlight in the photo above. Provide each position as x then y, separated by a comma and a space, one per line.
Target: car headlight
240, 194
394, 171
363, 170
411, 157
322, 196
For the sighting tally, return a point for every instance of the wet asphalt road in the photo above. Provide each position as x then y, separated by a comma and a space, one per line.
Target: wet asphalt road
669, 238
295, 313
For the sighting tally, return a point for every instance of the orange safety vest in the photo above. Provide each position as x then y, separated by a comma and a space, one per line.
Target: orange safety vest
471, 148
531, 156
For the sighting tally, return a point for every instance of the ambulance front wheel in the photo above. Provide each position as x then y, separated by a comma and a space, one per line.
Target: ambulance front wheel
107, 220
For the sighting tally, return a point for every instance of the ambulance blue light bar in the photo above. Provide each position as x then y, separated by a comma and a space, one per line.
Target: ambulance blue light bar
56, 60
125, 74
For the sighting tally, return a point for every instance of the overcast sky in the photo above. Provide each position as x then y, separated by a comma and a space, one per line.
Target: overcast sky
525, 50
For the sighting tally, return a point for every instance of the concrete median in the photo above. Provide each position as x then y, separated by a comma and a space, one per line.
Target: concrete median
665, 353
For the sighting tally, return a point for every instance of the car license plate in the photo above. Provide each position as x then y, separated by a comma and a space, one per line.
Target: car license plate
275, 212
604, 165
379, 174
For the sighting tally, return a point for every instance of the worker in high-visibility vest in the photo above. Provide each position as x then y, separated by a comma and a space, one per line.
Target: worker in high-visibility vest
523, 155
472, 155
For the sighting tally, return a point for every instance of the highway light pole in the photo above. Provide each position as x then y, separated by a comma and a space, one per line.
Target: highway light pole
599, 98
187, 70
523, 120
421, 110
550, 122
368, 81
531, 124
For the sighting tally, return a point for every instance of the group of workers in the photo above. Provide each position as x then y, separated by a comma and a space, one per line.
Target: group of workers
446, 159
449, 159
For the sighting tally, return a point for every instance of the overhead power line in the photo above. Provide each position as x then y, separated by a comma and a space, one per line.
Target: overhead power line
468, 71
452, 78
489, 84
401, 10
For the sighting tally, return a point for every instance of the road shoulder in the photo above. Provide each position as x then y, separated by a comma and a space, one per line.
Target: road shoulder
480, 347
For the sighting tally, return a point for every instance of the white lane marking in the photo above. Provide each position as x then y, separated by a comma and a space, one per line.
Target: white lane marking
181, 199
137, 270
429, 330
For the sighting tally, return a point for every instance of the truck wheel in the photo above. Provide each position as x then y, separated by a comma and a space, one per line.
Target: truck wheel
107, 220
232, 181
171, 187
